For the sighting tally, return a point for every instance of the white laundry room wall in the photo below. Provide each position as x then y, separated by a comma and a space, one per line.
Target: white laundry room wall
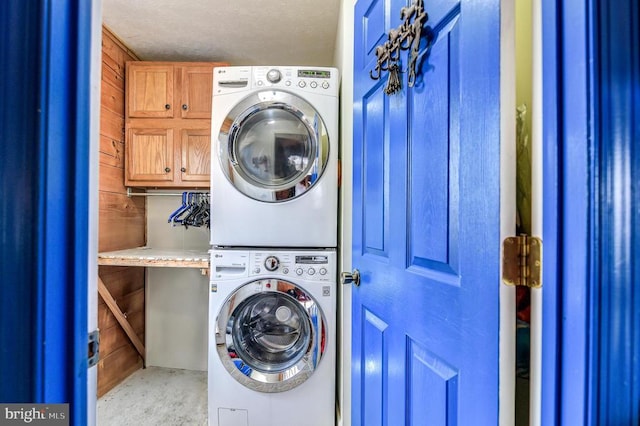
176, 298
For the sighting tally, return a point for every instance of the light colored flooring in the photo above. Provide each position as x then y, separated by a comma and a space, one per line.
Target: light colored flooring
156, 396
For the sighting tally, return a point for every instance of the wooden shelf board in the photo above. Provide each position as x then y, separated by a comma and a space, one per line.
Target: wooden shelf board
150, 257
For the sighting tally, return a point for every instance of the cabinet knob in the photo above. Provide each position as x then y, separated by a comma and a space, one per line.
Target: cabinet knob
167, 169
183, 170
167, 106
185, 107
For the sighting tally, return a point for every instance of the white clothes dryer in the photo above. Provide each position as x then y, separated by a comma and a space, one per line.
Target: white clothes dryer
272, 337
274, 157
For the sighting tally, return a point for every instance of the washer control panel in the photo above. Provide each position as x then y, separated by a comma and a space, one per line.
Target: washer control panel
310, 266
320, 80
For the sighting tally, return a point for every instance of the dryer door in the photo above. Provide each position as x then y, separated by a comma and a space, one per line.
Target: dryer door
270, 335
273, 146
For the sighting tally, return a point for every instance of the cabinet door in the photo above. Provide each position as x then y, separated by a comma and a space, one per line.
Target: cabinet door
149, 154
197, 86
150, 90
196, 155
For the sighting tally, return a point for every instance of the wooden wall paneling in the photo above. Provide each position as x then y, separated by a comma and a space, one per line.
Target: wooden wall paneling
117, 338
122, 280
111, 97
112, 77
121, 314
116, 367
135, 310
114, 53
110, 180
121, 224
111, 152
111, 125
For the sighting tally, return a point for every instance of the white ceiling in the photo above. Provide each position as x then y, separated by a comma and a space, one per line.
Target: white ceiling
241, 32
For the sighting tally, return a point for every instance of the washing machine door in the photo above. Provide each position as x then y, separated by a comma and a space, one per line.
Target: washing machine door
273, 146
270, 335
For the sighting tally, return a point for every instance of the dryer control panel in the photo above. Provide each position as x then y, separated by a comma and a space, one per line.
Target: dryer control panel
309, 79
319, 80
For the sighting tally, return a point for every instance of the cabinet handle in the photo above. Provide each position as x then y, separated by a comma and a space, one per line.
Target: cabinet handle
183, 170
167, 106
185, 107
167, 169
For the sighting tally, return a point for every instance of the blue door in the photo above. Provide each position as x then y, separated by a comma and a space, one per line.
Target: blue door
426, 221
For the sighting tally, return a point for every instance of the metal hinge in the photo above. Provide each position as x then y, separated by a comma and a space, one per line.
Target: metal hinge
522, 261
94, 348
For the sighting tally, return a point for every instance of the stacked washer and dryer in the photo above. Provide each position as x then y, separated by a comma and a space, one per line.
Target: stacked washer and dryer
274, 196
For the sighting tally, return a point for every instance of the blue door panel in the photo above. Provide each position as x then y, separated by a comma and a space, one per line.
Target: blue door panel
426, 216
375, 200
375, 21
374, 365
433, 188
432, 390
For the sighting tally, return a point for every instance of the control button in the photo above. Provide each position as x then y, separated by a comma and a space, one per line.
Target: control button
271, 263
274, 76
260, 83
325, 85
313, 84
299, 271
285, 270
311, 271
287, 83
323, 271
301, 83
256, 270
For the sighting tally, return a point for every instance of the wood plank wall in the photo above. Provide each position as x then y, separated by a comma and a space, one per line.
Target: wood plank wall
121, 224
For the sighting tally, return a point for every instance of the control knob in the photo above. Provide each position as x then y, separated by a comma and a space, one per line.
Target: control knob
271, 263
274, 76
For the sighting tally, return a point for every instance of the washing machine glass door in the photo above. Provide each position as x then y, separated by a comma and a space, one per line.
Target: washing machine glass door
270, 335
273, 146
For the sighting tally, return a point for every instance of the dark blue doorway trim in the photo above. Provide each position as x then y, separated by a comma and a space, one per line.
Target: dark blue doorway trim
551, 335
591, 329
19, 62
44, 217
568, 71
615, 350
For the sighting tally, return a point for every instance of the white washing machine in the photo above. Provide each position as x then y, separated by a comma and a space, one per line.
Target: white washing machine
272, 337
274, 165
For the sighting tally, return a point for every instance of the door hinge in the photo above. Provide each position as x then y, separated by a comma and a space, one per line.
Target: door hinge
522, 261
94, 348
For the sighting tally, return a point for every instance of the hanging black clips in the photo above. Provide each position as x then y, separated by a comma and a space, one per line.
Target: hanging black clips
406, 36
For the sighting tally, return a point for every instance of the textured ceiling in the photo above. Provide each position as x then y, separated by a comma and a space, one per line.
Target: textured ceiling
241, 32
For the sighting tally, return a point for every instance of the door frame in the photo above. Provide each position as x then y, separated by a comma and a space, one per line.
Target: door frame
590, 110
567, 126
48, 51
